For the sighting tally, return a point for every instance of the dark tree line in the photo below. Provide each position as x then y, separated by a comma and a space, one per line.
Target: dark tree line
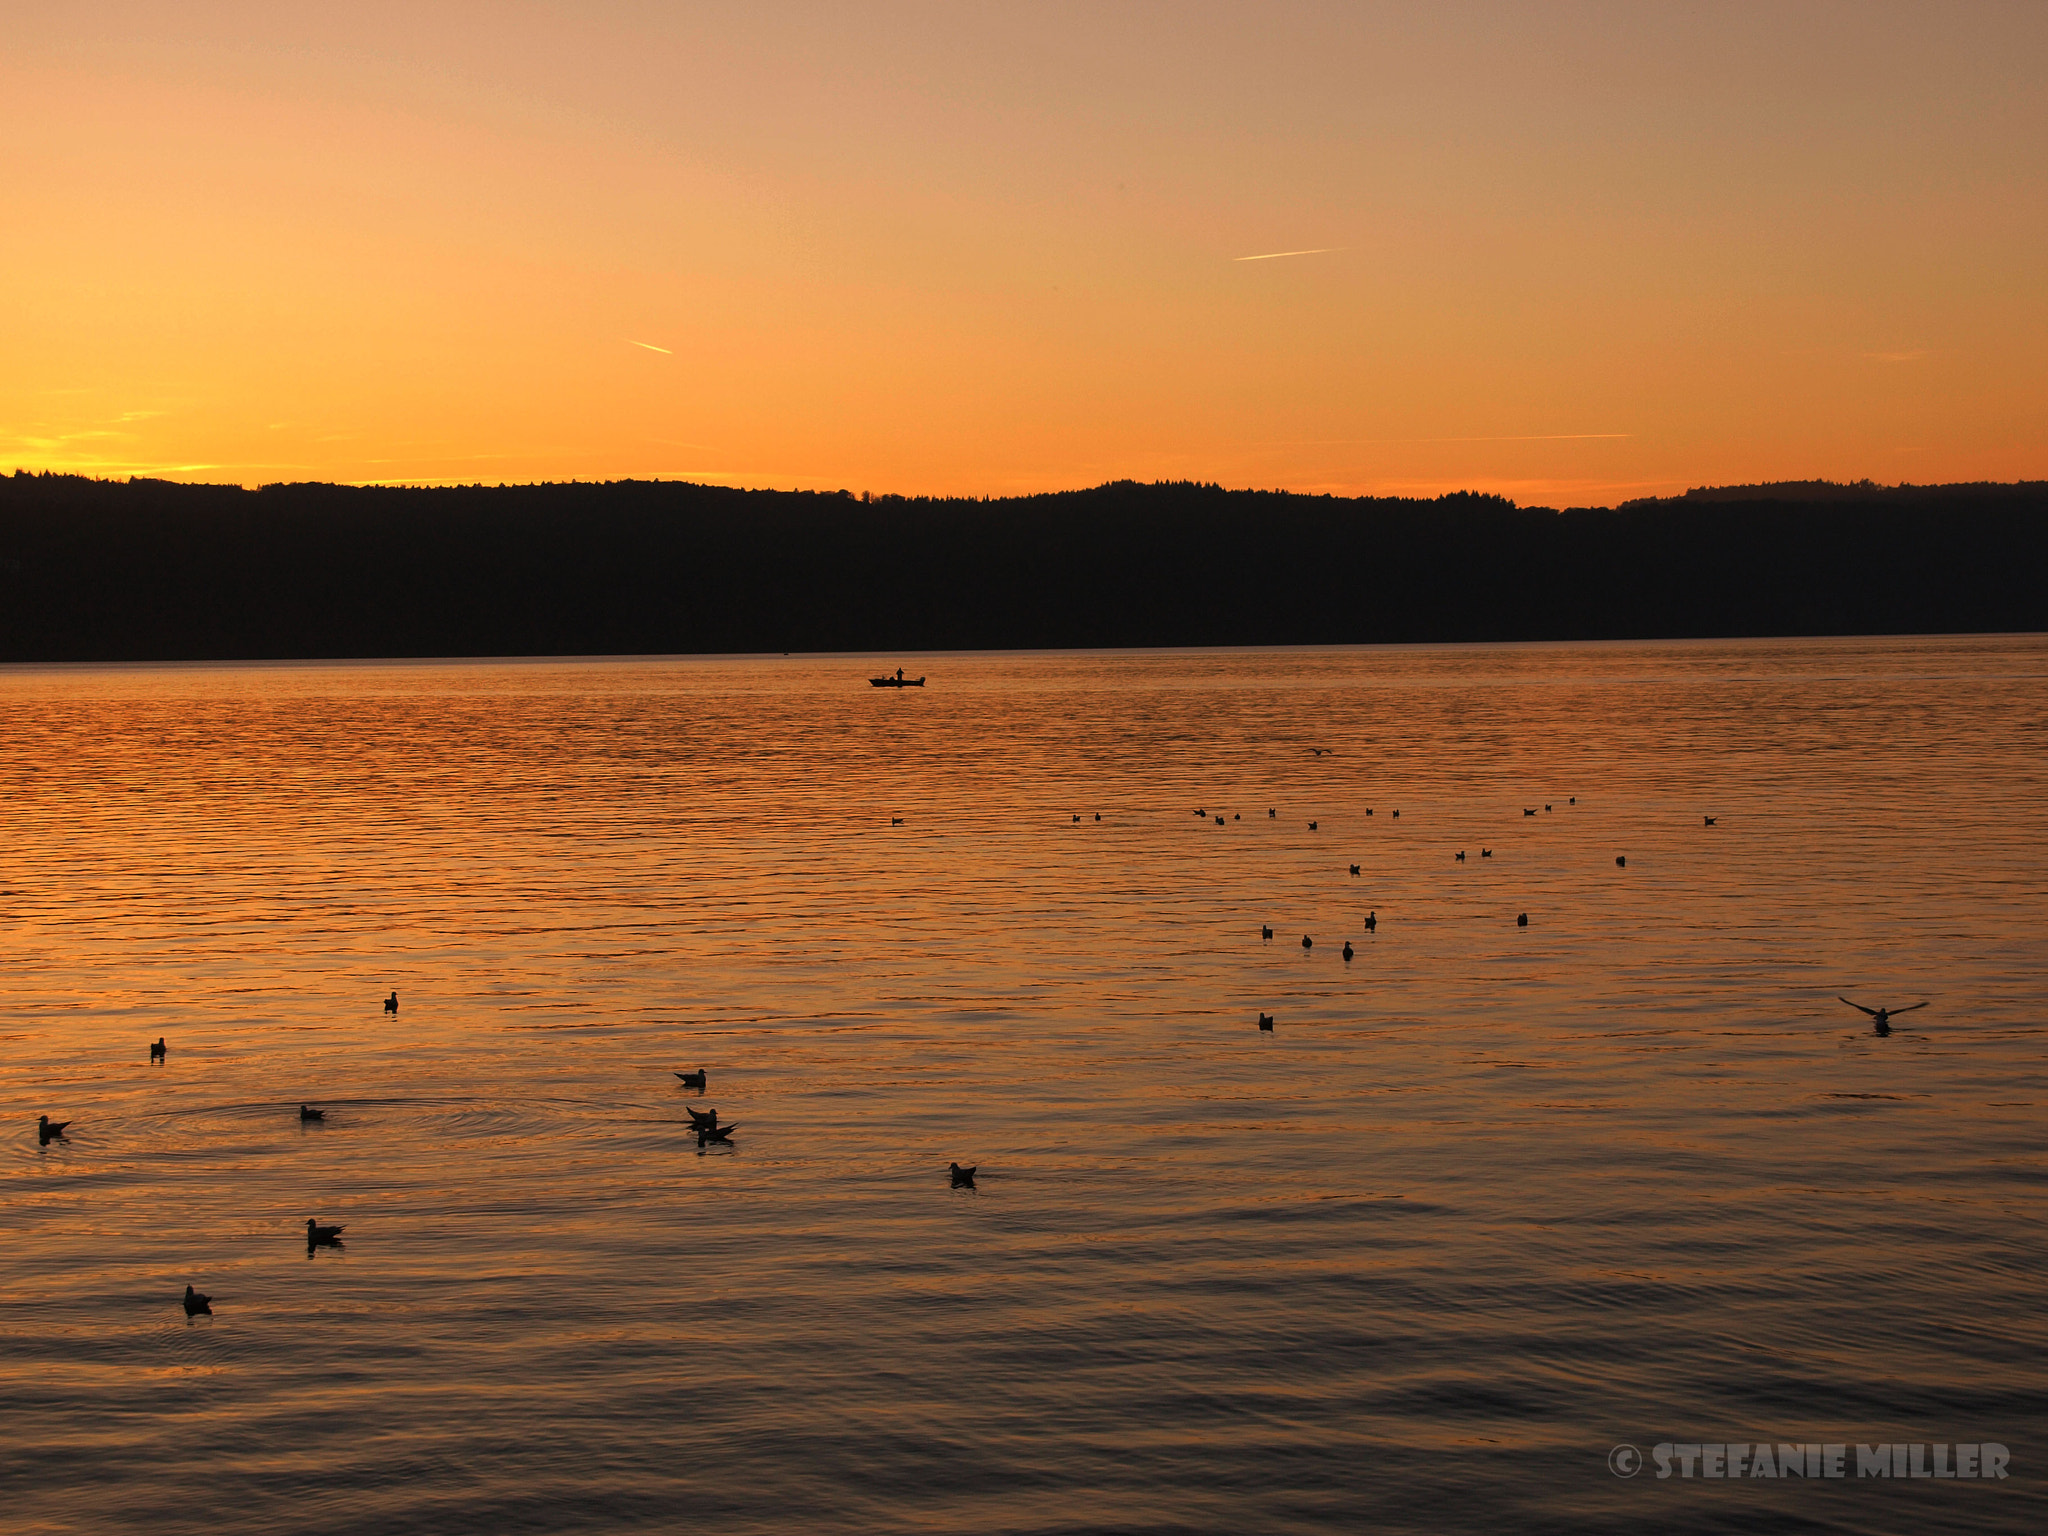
150, 570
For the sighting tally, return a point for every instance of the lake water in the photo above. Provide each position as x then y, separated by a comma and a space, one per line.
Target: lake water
1488, 1201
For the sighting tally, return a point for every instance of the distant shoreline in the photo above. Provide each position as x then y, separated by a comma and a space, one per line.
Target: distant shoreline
151, 570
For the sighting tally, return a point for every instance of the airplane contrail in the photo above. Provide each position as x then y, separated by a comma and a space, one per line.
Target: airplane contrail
650, 346
1321, 250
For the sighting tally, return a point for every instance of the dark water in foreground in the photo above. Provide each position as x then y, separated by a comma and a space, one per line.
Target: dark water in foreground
1487, 1202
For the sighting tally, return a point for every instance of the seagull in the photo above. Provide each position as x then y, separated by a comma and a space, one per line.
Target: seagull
1546, 807
1621, 861
1486, 853
196, 1303
1266, 1022
1573, 801
1882, 1016
1347, 949
1397, 815
1320, 751
895, 821
47, 1128
1098, 815
1307, 942
1354, 869
715, 1133
702, 1120
692, 1079
1201, 813
1528, 813
1219, 821
1709, 820
1265, 933
1521, 920
1368, 810
1459, 855
318, 1236
156, 1052
1271, 813
1311, 826
306, 1113
1372, 921
391, 1003
963, 1178
1077, 818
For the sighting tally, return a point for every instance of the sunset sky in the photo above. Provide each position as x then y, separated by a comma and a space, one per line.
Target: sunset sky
1570, 253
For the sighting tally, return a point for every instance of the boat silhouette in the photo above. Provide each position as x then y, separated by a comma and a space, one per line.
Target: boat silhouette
898, 681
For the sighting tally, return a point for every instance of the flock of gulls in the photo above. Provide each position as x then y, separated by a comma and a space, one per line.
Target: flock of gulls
1880, 1017
705, 1122
702, 1121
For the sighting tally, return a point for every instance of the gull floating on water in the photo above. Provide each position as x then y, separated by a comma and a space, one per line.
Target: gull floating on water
1266, 1022
47, 1128
1265, 933
963, 1178
306, 1113
156, 1051
702, 1119
692, 1079
391, 1003
711, 1133
1347, 949
319, 1236
196, 1303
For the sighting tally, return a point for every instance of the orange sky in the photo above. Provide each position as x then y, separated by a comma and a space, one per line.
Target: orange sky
1574, 253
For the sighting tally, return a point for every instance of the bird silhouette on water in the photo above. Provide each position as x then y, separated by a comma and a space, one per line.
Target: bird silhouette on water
195, 1303
48, 1130
1311, 826
318, 1236
1307, 942
1266, 1022
1265, 933
963, 1178
1271, 813
1219, 821
1486, 853
1459, 855
391, 1003
1354, 869
1372, 921
895, 821
156, 1051
1708, 820
702, 1120
1347, 949
307, 1112
1621, 861
1881, 1017
1077, 818
1527, 812
693, 1079
1521, 920
708, 1134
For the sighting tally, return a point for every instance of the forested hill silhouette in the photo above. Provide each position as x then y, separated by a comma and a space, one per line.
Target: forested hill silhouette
96, 570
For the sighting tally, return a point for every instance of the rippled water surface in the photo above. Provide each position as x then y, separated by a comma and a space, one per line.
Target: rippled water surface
1487, 1201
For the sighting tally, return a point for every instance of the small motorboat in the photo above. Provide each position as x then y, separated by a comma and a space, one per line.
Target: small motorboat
898, 681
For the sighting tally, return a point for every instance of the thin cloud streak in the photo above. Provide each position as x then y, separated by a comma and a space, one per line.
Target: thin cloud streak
650, 346
1359, 442
1321, 250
